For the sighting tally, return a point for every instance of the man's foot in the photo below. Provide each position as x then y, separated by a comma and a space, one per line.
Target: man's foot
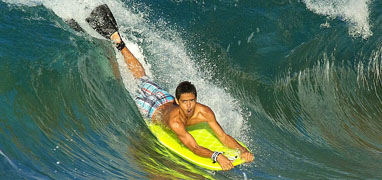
116, 38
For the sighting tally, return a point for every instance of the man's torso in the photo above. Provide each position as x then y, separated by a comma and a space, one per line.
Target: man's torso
169, 112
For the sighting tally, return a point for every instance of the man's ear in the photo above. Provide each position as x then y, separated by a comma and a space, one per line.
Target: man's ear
176, 100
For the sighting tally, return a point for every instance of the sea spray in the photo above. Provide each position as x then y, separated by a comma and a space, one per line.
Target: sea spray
354, 12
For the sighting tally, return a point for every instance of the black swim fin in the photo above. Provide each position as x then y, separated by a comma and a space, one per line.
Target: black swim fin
74, 24
102, 20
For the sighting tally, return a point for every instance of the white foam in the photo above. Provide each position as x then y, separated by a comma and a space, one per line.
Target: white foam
23, 2
250, 37
9, 160
354, 12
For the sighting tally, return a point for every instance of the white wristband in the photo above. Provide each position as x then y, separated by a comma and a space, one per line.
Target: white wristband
215, 155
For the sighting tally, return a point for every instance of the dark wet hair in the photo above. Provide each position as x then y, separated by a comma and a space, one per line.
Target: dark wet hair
185, 87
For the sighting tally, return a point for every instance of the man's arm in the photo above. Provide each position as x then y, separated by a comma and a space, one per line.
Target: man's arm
189, 141
226, 139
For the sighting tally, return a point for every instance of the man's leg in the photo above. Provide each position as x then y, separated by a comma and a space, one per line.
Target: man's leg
102, 20
132, 63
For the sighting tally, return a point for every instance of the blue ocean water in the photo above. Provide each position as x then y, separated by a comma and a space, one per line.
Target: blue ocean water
299, 81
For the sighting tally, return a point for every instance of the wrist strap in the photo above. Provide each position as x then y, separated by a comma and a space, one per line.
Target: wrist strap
215, 155
120, 45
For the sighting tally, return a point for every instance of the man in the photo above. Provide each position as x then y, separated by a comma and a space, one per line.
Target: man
158, 105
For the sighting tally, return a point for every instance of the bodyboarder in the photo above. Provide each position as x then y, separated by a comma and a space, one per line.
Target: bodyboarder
159, 106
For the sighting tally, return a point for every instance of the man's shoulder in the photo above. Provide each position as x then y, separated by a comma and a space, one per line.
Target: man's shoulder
174, 112
175, 123
174, 116
204, 109
204, 113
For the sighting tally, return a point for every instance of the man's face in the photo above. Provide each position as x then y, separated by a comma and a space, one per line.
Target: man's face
187, 102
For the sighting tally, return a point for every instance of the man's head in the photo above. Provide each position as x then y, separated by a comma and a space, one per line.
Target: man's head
185, 87
185, 95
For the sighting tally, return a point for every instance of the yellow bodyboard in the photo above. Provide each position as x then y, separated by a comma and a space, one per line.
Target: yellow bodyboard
204, 136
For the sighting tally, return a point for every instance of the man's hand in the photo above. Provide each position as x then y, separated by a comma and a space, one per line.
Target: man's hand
247, 156
224, 162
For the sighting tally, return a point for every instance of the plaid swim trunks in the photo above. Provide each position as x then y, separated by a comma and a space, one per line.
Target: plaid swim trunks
150, 97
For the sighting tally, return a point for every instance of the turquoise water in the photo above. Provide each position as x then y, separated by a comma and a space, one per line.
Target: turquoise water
298, 81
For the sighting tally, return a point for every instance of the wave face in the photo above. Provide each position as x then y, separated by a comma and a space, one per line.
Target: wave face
298, 81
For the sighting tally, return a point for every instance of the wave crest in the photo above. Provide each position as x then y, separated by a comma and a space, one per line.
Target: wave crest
354, 12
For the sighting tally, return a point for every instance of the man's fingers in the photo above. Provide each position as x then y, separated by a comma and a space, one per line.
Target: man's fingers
247, 156
225, 163
227, 167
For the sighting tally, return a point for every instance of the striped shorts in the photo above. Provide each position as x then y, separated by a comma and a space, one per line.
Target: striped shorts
150, 97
